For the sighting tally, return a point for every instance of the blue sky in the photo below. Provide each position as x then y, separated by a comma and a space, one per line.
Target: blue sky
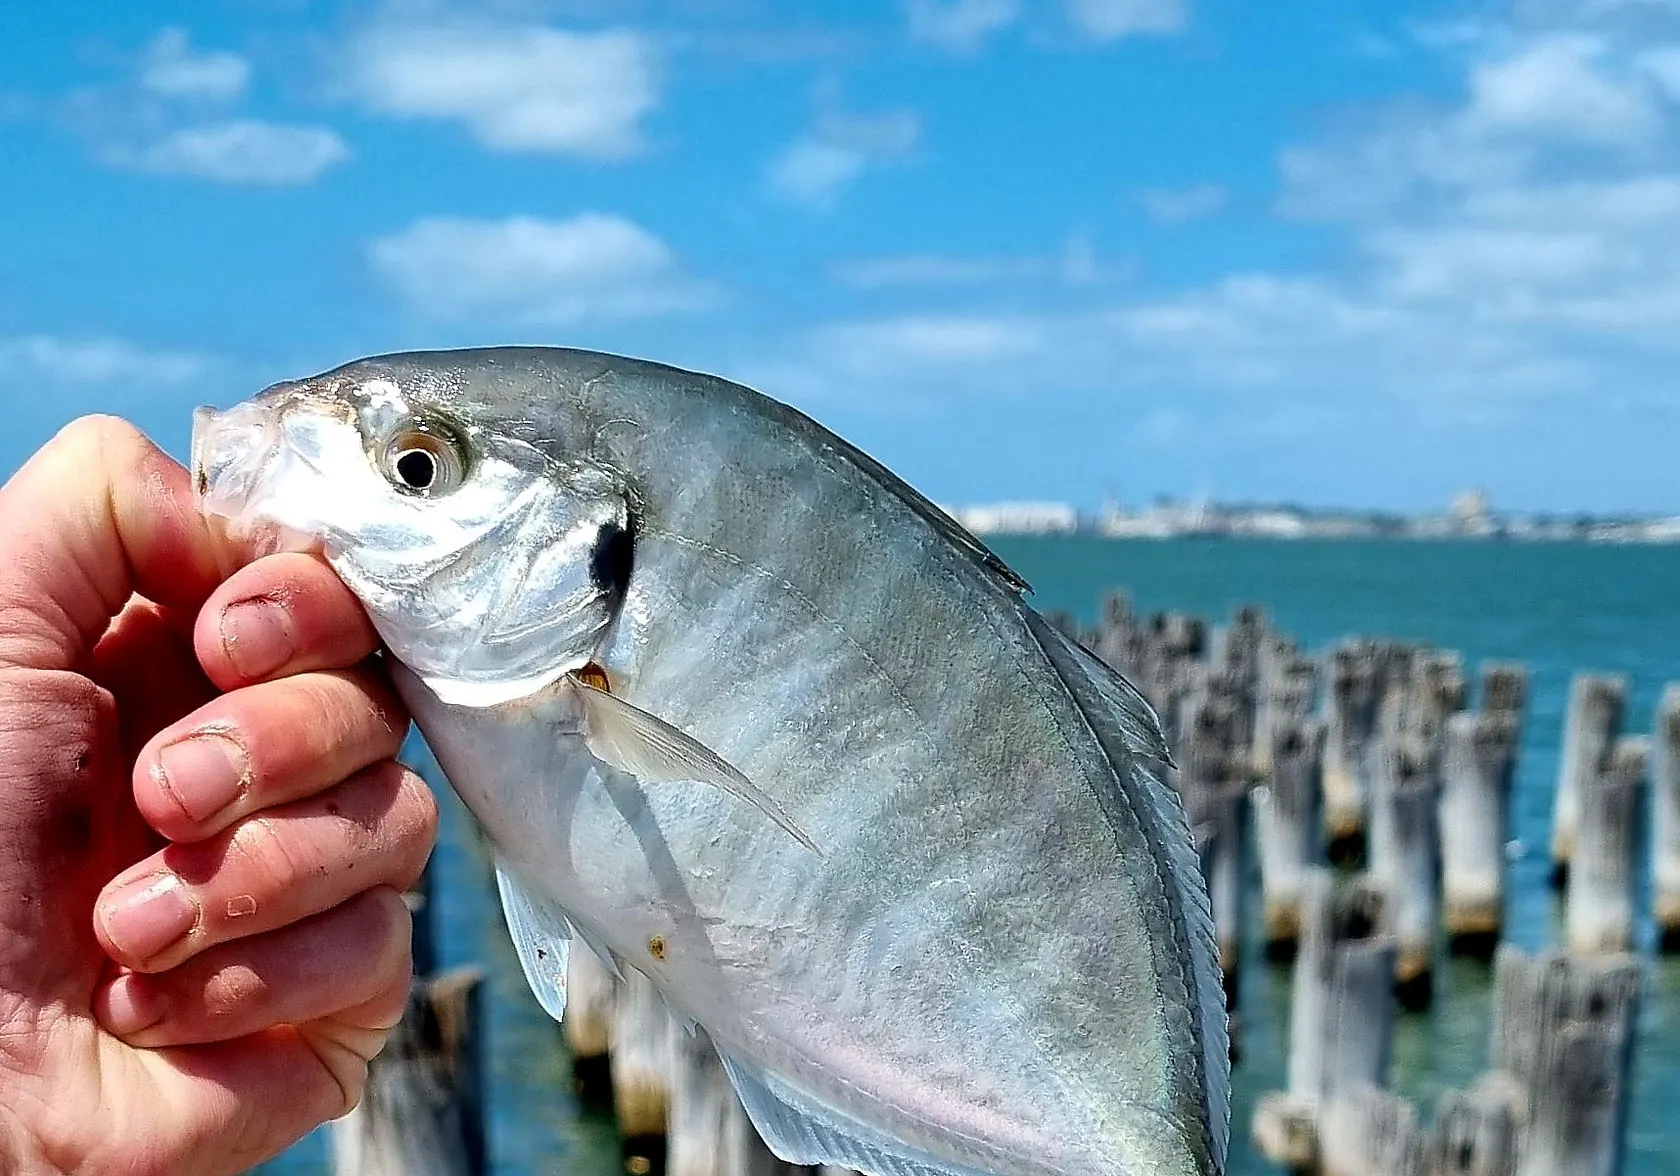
1340, 254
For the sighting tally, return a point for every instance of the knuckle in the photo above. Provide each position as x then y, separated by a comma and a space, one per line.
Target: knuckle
231, 994
97, 434
263, 847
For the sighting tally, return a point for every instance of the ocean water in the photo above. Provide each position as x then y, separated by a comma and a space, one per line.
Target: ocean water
1557, 608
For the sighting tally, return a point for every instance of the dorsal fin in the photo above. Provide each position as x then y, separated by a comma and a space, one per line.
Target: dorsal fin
1129, 734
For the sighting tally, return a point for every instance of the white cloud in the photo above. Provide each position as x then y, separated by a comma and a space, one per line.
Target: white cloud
239, 151
527, 89
49, 359
961, 26
1108, 20
817, 165
1173, 206
170, 68
942, 339
1076, 263
1566, 86
592, 267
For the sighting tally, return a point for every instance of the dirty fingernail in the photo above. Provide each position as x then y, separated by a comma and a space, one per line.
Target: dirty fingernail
149, 914
257, 636
203, 774
128, 1005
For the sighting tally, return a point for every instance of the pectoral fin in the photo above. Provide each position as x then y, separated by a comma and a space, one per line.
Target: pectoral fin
655, 752
541, 936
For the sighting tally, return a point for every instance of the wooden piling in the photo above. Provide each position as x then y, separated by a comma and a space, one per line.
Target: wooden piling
1212, 781
1371, 1133
587, 1025
710, 1134
1478, 767
1341, 1017
1286, 693
1665, 818
1120, 638
1350, 721
1403, 859
1474, 1134
1505, 689
1562, 1049
422, 1112
1287, 829
641, 1071
1601, 873
1594, 719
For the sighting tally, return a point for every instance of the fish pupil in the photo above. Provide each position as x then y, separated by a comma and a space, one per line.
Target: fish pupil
613, 559
417, 469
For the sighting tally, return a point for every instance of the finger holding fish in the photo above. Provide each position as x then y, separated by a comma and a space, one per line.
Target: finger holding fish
351, 963
275, 867
285, 614
264, 745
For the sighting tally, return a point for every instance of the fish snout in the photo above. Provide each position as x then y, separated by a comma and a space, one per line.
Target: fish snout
229, 451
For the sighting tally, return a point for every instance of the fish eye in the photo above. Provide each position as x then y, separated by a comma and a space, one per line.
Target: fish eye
424, 458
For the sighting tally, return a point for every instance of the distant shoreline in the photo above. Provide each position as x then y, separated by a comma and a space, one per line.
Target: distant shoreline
1468, 521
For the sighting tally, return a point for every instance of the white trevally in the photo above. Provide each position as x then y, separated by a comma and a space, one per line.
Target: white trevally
740, 709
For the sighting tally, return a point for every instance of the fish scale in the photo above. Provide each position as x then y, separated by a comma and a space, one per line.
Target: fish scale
1001, 959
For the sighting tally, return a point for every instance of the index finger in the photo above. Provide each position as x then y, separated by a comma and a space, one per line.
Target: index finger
282, 615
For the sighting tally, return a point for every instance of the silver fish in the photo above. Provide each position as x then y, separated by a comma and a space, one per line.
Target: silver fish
740, 709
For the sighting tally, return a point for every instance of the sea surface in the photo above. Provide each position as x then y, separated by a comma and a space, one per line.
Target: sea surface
1558, 608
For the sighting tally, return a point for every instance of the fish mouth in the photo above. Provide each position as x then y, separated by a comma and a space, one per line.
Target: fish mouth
233, 452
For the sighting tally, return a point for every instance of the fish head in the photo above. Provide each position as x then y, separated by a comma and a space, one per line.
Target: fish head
489, 564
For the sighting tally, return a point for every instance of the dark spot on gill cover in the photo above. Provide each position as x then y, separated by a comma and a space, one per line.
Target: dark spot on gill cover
614, 558
656, 947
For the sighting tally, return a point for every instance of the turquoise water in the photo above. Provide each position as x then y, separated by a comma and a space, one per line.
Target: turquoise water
1558, 608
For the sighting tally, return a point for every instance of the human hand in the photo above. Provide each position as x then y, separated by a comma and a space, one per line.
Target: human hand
249, 992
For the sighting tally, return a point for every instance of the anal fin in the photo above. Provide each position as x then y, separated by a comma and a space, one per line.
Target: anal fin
801, 1130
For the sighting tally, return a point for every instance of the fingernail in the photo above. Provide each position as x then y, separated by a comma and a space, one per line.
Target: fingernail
147, 915
257, 636
202, 773
129, 1005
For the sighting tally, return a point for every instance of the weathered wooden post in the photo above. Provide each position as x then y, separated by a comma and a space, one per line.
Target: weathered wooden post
1594, 719
641, 1072
1474, 1134
1505, 689
1287, 690
1601, 873
1174, 645
710, 1134
1119, 638
422, 1112
1372, 1133
587, 1025
1350, 721
1341, 1017
1665, 818
1403, 859
1212, 781
1474, 821
1287, 829
1563, 1049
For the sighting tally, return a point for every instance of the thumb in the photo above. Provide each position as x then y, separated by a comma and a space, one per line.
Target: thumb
97, 515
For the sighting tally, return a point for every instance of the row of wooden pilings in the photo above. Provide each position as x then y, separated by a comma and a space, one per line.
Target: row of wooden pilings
1380, 810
